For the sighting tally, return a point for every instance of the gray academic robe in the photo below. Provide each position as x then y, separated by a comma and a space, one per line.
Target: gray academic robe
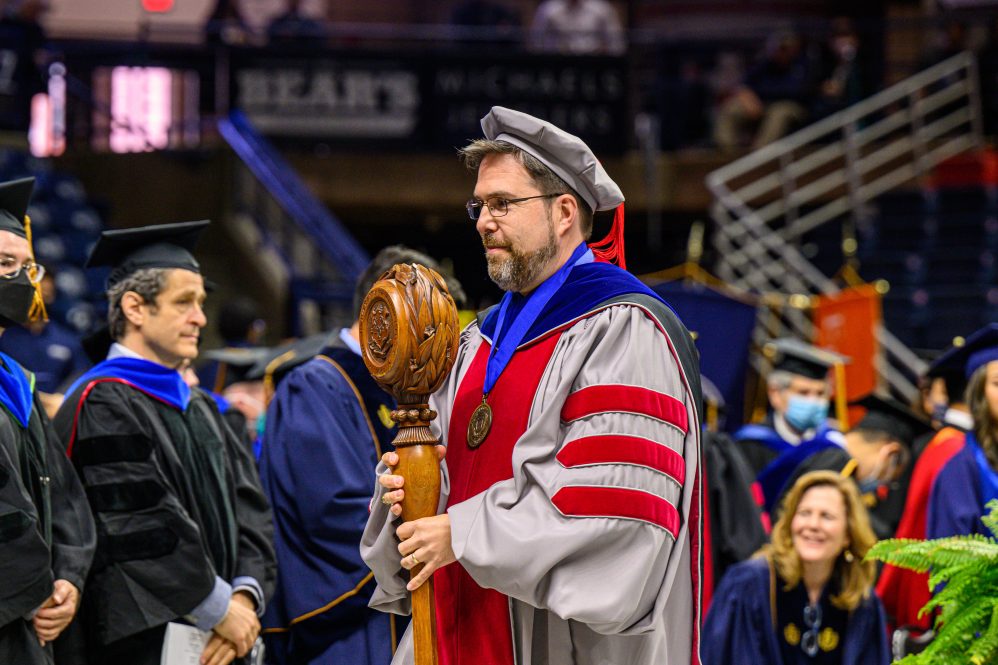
582, 589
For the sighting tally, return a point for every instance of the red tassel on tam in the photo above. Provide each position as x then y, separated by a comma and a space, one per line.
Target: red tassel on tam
611, 248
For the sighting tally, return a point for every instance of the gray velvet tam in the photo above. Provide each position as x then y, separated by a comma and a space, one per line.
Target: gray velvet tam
563, 153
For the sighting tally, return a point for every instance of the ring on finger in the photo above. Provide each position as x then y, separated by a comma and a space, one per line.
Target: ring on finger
385, 499
415, 561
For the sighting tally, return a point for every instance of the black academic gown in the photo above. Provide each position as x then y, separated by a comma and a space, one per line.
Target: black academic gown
736, 529
177, 501
46, 531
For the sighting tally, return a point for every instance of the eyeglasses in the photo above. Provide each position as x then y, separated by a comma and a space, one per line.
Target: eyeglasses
497, 206
9, 269
812, 619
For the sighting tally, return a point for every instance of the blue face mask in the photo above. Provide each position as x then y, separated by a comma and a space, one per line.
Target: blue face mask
804, 414
871, 484
939, 410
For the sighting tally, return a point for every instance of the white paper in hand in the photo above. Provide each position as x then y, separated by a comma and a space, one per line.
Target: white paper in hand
182, 644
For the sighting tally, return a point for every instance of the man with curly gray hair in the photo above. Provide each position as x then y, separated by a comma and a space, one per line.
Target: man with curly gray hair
184, 528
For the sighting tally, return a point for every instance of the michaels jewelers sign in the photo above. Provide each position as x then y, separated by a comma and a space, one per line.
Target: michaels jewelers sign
429, 101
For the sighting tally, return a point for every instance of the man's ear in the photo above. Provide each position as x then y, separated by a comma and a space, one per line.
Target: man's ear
565, 212
895, 451
132, 307
777, 399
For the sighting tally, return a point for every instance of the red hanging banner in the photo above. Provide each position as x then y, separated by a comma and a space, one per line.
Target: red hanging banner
847, 323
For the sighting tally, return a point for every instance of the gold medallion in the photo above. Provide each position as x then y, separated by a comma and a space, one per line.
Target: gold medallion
828, 639
479, 425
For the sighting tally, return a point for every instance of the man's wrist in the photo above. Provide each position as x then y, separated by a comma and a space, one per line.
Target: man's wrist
253, 590
245, 597
210, 612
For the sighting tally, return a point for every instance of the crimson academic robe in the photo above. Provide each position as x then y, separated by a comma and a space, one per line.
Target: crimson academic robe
905, 592
576, 524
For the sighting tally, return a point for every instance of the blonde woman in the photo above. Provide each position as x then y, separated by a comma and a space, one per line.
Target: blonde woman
805, 598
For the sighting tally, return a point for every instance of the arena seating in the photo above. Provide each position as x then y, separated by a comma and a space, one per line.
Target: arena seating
64, 227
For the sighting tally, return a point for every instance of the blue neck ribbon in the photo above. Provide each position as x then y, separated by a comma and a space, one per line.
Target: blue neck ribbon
15, 390
506, 341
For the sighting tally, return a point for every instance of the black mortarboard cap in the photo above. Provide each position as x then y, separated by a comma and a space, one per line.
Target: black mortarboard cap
14, 198
978, 349
791, 355
886, 414
239, 360
279, 360
949, 361
160, 246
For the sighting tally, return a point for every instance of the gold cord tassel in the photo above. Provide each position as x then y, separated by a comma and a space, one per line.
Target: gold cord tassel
37, 311
269, 387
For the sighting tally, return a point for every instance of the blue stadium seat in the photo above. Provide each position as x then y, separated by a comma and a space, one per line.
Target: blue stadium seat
50, 249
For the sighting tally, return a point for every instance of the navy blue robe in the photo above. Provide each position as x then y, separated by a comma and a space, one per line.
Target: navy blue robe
960, 492
740, 628
325, 432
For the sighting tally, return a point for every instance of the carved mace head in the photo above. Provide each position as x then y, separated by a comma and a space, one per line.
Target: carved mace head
409, 333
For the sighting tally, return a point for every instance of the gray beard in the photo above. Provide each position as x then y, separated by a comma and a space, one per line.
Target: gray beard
515, 271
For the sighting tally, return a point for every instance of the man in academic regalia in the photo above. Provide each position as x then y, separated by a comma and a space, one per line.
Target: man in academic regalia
184, 527
47, 535
570, 530
327, 426
797, 425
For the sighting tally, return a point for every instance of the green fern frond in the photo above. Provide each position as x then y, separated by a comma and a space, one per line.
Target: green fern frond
964, 572
903, 553
991, 519
985, 648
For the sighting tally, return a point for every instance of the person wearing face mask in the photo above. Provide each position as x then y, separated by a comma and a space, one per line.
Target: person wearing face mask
797, 424
947, 391
806, 597
47, 536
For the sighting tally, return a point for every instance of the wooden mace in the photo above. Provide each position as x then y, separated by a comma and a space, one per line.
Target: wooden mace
409, 334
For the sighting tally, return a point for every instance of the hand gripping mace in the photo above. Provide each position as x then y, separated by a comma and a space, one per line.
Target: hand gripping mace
409, 334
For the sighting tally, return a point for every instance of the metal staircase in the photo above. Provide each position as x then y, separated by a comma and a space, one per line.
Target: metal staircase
309, 255
766, 201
